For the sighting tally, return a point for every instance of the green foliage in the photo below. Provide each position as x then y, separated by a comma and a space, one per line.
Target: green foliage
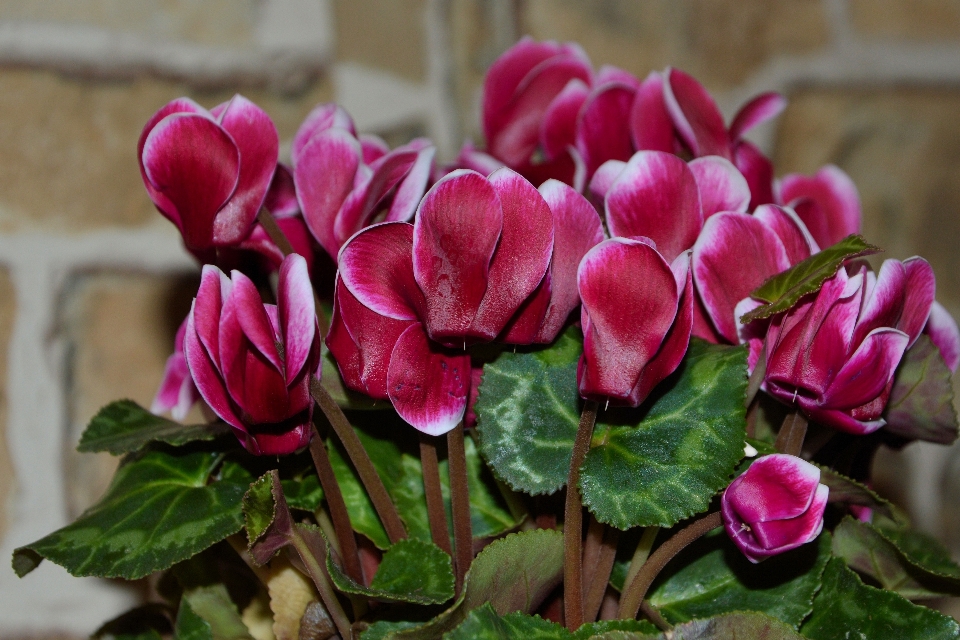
732, 626
161, 508
846, 608
191, 626
124, 426
212, 603
783, 290
411, 571
655, 465
921, 401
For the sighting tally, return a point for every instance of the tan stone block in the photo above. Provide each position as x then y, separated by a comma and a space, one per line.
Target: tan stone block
902, 150
387, 34
68, 159
907, 19
211, 22
120, 330
8, 305
721, 42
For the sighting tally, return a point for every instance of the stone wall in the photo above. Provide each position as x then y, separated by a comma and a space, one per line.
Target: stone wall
93, 282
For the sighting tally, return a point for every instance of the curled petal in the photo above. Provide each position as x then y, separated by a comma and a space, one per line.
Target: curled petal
778, 536
281, 199
245, 302
180, 105
656, 196
651, 127
603, 178
373, 147
297, 314
793, 234
323, 117
942, 329
214, 288
474, 160
884, 303
375, 265
525, 324
280, 439
603, 129
389, 171
780, 488
428, 386
827, 202
207, 376
757, 169
921, 287
456, 231
765, 106
843, 421
695, 115
558, 129
868, 371
722, 187
411, 189
195, 164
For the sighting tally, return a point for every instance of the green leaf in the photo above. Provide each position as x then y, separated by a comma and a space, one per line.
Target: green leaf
846, 608
259, 508
527, 415
666, 463
655, 465
733, 626
851, 492
411, 571
636, 629
484, 624
783, 290
514, 573
712, 577
394, 453
124, 426
213, 604
922, 569
921, 401
191, 626
160, 509
303, 493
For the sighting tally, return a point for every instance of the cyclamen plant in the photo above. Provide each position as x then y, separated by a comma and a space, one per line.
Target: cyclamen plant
612, 311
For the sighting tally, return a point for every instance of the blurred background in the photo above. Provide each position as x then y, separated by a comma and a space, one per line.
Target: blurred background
93, 282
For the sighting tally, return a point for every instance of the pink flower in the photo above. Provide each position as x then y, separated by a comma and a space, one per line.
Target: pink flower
775, 506
637, 315
208, 171
252, 362
345, 183
177, 392
827, 202
834, 354
480, 262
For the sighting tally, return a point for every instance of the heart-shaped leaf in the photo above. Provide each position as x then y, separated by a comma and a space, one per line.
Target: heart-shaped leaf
783, 290
847, 608
483, 623
303, 493
851, 492
160, 509
712, 577
411, 571
512, 574
924, 570
654, 465
213, 604
124, 426
921, 401
732, 626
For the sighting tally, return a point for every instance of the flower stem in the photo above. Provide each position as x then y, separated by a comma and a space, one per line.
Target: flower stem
792, 433
641, 553
634, 594
384, 506
460, 503
318, 573
338, 508
597, 585
436, 514
756, 378
573, 522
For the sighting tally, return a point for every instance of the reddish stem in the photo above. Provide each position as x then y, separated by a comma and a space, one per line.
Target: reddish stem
460, 503
792, 433
436, 514
573, 522
597, 584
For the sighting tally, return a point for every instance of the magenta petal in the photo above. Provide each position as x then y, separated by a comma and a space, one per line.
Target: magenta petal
609, 73
842, 421
214, 287
281, 199
410, 191
323, 117
921, 287
264, 398
195, 165
524, 326
651, 127
775, 487
474, 160
280, 440
376, 266
722, 186
206, 376
256, 137
734, 254
253, 319
943, 331
603, 128
577, 229
656, 196
558, 129
762, 108
757, 169
865, 374
522, 255
603, 178
374, 148
695, 115
180, 105
390, 170
297, 315
884, 303
783, 535
175, 374
793, 234
456, 231
827, 202
629, 297
428, 386
324, 175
